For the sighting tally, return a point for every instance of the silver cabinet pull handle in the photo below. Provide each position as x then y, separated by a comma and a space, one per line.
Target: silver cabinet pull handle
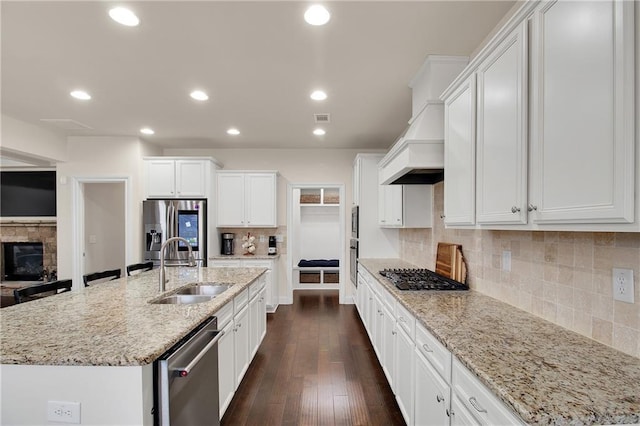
515, 209
426, 348
532, 207
184, 372
401, 319
439, 398
476, 405
449, 412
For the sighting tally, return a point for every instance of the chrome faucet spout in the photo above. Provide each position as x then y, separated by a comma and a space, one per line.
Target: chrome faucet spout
192, 260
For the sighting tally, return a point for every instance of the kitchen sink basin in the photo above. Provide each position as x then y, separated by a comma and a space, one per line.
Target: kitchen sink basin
205, 289
183, 299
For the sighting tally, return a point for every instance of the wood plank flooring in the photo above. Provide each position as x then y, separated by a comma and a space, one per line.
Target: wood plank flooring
315, 366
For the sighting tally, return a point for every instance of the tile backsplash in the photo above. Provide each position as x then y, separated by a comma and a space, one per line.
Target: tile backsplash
563, 277
262, 247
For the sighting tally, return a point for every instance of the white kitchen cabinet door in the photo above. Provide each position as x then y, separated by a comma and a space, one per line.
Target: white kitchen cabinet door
242, 349
404, 377
501, 192
390, 205
190, 178
230, 192
254, 328
459, 155
271, 280
226, 367
432, 394
262, 322
378, 329
582, 123
387, 351
161, 178
260, 199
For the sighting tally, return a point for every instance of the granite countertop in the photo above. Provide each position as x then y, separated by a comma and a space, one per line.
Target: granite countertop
545, 373
112, 323
246, 257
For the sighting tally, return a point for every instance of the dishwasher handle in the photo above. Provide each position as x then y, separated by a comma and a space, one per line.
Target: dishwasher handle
184, 371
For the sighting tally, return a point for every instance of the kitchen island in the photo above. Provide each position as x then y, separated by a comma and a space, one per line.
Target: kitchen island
544, 373
97, 345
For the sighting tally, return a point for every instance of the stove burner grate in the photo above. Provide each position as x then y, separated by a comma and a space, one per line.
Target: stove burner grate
421, 279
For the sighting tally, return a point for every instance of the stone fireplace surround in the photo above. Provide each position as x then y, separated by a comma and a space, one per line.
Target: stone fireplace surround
44, 231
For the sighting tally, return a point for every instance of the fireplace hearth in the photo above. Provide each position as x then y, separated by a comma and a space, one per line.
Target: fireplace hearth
22, 261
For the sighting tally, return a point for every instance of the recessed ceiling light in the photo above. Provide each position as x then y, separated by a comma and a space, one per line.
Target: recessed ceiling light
80, 94
319, 132
318, 95
199, 95
233, 131
124, 16
317, 15
147, 131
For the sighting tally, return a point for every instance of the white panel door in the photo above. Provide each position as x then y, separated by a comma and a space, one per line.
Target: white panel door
260, 199
161, 180
459, 155
226, 367
230, 192
390, 205
432, 394
404, 377
582, 125
502, 132
190, 178
242, 349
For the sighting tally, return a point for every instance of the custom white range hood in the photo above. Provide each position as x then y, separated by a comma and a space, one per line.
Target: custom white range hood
417, 157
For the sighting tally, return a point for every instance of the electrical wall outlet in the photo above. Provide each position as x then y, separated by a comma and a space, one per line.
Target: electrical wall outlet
262, 238
506, 260
622, 280
279, 238
63, 412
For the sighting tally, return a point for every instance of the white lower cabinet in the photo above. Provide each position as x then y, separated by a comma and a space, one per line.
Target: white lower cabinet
430, 385
404, 376
244, 324
432, 394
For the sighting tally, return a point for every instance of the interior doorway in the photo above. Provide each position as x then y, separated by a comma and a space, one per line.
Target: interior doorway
100, 226
316, 238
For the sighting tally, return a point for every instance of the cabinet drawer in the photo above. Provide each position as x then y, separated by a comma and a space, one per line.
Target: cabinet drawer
224, 315
434, 352
256, 287
406, 320
241, 300
479, 400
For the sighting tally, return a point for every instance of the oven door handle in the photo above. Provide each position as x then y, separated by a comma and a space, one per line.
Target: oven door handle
184, 371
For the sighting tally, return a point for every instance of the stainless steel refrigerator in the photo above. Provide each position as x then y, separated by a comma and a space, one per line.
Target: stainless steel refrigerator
164, 219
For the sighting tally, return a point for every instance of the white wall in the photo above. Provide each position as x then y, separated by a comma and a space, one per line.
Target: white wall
319, 233
104, 226
101, 157
28, 140
107, 395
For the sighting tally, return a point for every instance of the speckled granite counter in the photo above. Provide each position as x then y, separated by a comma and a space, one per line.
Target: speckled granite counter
111, 323
244, 257
547, 374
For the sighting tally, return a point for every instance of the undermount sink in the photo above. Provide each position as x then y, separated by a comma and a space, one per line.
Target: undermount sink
205, 289
183, 299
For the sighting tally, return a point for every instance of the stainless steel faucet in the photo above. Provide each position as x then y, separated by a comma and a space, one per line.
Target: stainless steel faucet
192, 260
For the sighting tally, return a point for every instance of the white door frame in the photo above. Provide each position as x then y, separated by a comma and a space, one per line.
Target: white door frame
288, 297
77, 220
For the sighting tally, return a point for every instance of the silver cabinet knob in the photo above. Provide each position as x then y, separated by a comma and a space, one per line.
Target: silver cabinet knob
439, 398
515, 209
532, 207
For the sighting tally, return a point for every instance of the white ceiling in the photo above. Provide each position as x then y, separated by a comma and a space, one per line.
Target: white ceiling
259, 61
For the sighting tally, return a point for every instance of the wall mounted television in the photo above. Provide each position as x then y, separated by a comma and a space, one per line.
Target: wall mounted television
28, 193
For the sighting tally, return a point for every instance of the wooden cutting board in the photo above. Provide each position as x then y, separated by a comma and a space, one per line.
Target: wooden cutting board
450, 262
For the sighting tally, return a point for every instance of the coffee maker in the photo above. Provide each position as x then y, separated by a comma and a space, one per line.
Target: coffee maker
272, 246
227, 244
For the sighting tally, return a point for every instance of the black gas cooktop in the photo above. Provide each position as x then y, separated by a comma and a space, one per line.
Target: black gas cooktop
421, 279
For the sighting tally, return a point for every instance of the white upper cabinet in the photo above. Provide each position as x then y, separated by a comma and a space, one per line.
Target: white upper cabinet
554, 136
246, 199
390, 205
502, 132
460, 155
582, 122
177, 178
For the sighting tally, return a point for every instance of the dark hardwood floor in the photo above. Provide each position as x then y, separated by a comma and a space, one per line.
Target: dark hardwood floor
315, 366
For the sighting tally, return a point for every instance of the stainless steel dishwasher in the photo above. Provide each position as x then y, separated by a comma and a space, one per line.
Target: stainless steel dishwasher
187, 379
